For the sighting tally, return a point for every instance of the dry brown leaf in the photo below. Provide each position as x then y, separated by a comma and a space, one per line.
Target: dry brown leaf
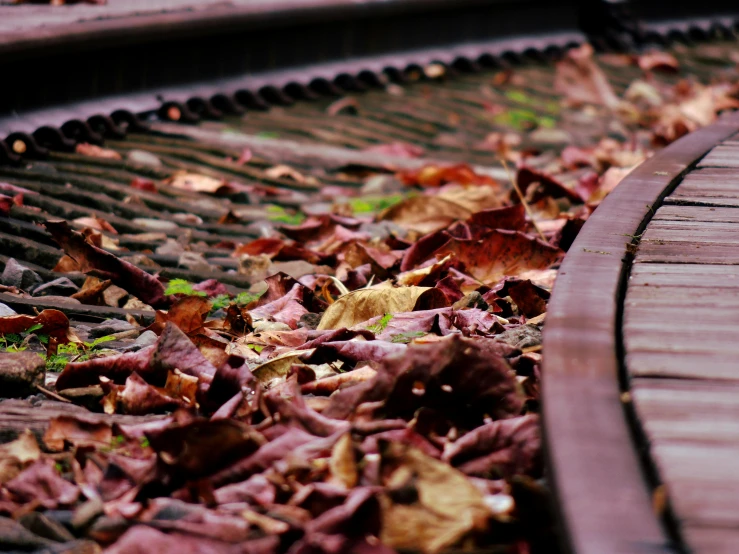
285, 172
278, 366
195, 182
415, 276
180, 385
188, 313
343, 463
92, 291
87, 149
658, 61
66, 264
16, 455
502, 254
95, 223
425, 214
53, 323
79, 431
580, 79
472, 197
448, 506
364, 304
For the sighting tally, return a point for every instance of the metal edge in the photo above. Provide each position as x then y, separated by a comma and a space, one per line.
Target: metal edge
23, 125
148, 27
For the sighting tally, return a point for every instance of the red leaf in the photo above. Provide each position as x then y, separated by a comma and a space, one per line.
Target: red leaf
107, 266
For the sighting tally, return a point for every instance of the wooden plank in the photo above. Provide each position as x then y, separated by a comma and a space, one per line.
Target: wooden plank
707, 235
717, 294
697, 213
679, 410
688, 253
691, 225
683, 365
603, 500
670, 342
711, 540
18, 415
701, 480
703, 201
683, 275
722, 156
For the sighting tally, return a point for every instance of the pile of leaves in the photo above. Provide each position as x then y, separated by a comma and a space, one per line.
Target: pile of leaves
382, 398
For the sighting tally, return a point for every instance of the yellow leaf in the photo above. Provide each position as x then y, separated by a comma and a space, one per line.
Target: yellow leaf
364, 304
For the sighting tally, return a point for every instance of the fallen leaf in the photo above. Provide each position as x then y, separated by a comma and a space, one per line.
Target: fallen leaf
434, 176
343, 463
187, 313
580, 79
502, 254
94, 151
658, 61
92, 291
16, 455
424, 214
427, 506
196, 182
40, 483
361, 305
500, 448
79, 430
93, 259
53, 323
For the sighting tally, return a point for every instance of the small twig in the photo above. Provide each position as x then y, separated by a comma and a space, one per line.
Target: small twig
523, 200
52, 395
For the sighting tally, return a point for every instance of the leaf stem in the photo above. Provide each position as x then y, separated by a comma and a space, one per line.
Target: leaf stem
523, 200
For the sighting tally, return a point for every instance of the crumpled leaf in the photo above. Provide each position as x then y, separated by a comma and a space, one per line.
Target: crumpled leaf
658, 61
196, 182
545, 186
79, 430
200, 447
95, 151
425, 214
107, 266
17, 455
361, 305
188, 313
428, 505
467, 379
42, 484
435, 176
53, 323
139, 398
172, 351
580, 79
502, 254
499, 448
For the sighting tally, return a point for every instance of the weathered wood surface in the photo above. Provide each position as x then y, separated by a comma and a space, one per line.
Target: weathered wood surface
680, 329
604, 499
18, 415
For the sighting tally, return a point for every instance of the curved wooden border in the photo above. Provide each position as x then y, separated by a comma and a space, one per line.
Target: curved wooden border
602, 496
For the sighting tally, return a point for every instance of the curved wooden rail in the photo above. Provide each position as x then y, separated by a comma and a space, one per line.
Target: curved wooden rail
602, 495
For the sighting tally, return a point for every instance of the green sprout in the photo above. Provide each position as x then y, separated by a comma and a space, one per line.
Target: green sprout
380, 326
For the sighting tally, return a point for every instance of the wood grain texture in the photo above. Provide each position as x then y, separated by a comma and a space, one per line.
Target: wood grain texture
18, 415
603, 499
688, 411
712, 539
680, 321
697, 213
684, 365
